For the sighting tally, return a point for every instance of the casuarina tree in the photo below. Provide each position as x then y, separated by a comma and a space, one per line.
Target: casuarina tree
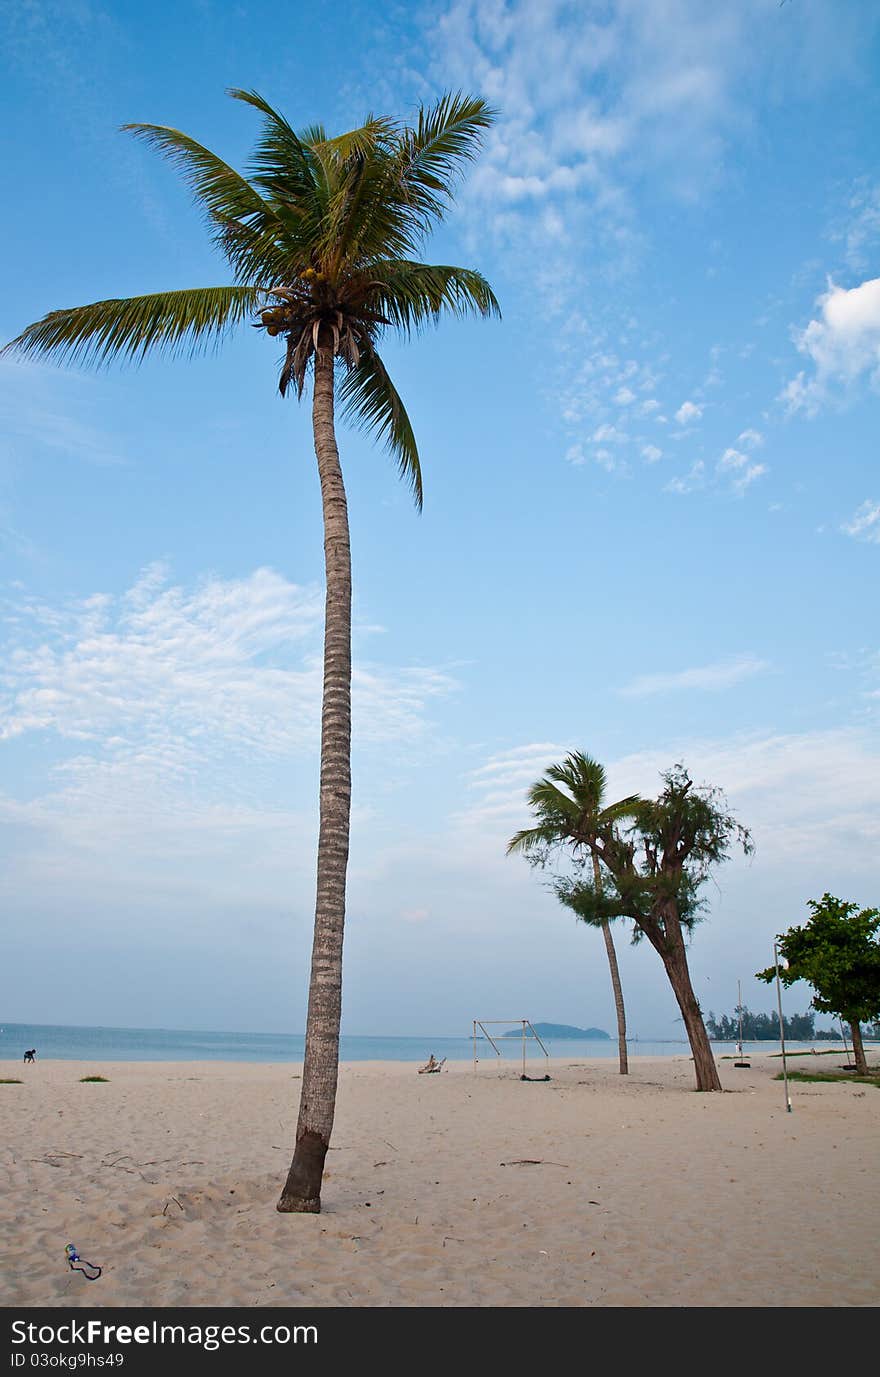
321, 237
569, 804
837, 951
653, 872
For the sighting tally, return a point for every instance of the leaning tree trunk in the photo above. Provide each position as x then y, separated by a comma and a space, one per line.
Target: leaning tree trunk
615, 979
674, 958
302, 1190
858, 1048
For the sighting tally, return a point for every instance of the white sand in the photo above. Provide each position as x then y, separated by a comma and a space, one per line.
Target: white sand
647, 1194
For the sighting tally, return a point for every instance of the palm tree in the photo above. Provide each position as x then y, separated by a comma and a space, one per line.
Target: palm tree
321, 237
573, 815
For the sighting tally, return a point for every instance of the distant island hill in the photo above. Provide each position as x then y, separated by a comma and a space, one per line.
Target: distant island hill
560, 1030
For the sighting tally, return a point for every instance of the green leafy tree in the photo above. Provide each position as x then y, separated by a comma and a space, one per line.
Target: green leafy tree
653, 873
321, 237
837, 951
761, 1027
569, 803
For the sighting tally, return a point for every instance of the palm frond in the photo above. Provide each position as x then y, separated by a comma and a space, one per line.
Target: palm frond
184, 321
446, 136
412, 294
407, 176
250, 231
370, 399
623, 808
373, 134
551, 803
531, 839
286, 167
225, 194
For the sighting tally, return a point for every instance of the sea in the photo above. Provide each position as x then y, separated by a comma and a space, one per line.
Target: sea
70, 1043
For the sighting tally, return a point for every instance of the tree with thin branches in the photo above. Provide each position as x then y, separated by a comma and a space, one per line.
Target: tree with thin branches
322, 236
569, 804
653, 872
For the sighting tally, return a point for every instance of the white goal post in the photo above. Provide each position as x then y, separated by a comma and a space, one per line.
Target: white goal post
527, 1032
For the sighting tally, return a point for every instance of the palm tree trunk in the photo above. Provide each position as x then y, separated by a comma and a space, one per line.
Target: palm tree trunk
615, 978
674, 958
302, 1190
858, 1048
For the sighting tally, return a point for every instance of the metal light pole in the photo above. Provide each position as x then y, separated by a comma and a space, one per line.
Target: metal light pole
739, 1047
781, 1026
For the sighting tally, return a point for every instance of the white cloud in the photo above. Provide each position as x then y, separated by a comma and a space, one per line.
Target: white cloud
862, 226
689, 482
624, 396
723, 674
865, 523
650, 454
751, 439
688, 413
732, 459
807, 796
166, 679
740, 468
171, 734
609, 435
842, 344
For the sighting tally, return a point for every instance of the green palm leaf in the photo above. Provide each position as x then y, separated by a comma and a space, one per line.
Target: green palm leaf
413, 294
371, 400
286, 166
258, 238
174, 322
447, 134
567, 803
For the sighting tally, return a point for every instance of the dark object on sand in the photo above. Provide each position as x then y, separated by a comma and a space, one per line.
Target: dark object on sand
90, 1270
30, 1054
534, 1078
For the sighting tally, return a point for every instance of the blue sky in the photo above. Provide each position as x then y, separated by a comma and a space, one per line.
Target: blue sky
651, 526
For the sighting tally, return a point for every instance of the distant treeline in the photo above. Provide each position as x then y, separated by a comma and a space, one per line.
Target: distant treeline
765, 1027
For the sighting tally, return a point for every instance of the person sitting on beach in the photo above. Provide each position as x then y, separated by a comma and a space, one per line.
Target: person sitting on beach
30, 1055
430, 1065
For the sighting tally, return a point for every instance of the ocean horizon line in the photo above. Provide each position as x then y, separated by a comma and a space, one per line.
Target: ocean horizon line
108, 1043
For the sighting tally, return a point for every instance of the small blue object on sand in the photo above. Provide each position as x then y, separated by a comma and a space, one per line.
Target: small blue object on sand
78, 1264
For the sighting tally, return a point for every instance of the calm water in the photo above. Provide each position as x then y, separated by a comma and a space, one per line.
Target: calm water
164, 1044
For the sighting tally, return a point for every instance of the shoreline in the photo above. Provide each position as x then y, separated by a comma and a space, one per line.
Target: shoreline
458, 1189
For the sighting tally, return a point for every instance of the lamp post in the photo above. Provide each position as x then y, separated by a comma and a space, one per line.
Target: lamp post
781, 1026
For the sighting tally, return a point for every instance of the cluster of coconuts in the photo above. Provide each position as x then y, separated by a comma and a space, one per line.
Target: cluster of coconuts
274, 319
277, 318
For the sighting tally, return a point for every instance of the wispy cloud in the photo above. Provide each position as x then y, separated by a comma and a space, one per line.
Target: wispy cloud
499, 786
722, 674
750, 439
865, 523
166, 679
690, 482
171, 733
46, 409
805, 795
739, 469
860, 227
639, 92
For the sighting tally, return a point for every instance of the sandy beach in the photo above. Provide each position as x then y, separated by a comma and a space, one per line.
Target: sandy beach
449, 1190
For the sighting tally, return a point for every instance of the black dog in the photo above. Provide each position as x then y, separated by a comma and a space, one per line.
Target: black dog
31, 1055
